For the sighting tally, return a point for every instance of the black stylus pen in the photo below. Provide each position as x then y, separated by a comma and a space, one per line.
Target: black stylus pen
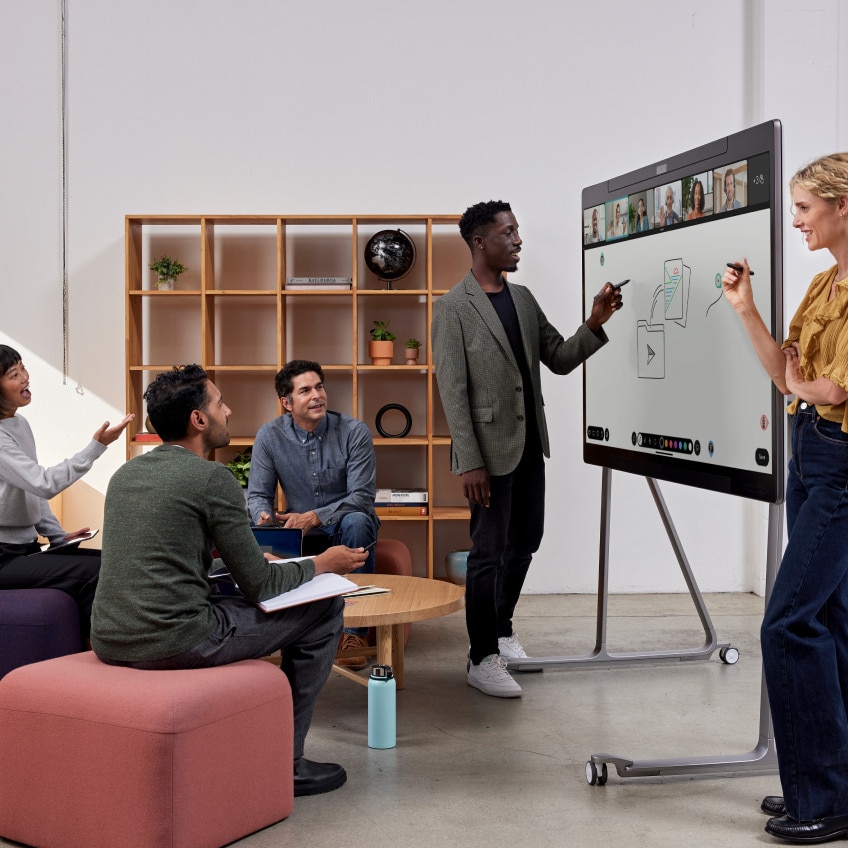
737, 267
622, 283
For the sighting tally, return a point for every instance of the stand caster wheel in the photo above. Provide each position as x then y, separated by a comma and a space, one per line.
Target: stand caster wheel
595, 777
729, 655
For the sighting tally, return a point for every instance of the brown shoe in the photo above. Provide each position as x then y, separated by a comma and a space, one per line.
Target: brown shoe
350, 640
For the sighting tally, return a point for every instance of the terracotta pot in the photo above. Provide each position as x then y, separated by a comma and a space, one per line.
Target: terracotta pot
411, 355
381, 352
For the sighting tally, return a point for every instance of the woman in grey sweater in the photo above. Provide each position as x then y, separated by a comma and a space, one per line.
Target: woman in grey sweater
26, 487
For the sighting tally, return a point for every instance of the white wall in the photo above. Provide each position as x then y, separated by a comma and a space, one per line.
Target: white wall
282, 106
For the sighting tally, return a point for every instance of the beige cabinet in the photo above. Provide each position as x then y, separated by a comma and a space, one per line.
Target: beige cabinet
232, 312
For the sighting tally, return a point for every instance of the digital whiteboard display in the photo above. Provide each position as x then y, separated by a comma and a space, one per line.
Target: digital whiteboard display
678, 392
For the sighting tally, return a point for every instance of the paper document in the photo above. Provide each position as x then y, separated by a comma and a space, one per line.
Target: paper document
367, 590
325, 585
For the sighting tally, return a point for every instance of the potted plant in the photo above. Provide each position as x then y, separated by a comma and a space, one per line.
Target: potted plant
240, 466
413, 346
167, 270
381, 348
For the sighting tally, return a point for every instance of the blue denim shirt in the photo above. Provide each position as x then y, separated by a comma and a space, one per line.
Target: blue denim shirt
331, 470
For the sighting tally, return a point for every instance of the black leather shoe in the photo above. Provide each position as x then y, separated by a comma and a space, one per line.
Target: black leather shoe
316, 778
806, 833
773, 805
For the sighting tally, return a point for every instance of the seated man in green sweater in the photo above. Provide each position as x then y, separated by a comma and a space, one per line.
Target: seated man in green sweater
155, 608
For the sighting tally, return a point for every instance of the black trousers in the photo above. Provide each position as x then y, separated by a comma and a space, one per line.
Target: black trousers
504, 537
73, 570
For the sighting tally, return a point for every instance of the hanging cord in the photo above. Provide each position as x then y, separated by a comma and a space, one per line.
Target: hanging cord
63, 121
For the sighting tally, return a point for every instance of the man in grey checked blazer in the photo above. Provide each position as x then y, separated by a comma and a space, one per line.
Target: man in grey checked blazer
489, 338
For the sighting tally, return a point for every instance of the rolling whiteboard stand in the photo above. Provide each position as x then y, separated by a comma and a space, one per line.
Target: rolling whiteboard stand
761, 759
600, 657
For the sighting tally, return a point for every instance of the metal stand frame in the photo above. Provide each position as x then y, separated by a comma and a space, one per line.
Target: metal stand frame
761, 759
600, 657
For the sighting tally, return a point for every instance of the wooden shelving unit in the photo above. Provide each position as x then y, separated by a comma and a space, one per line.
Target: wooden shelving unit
231, 313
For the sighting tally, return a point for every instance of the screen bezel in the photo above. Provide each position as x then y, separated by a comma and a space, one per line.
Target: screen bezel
767, 486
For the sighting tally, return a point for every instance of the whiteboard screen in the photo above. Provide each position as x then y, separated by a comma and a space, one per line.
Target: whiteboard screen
678, 392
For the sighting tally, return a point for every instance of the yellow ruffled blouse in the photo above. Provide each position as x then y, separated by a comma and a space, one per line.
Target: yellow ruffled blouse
820, 326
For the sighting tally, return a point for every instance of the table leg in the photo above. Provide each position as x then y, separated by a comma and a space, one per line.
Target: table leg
350, 675
390, 649
397, 652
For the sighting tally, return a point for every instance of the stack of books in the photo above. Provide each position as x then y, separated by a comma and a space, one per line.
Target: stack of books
402, 502
319, 283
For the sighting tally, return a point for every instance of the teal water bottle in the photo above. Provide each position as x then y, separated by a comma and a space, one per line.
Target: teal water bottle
381, 707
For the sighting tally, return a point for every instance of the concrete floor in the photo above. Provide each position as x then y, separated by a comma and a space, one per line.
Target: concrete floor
483, 772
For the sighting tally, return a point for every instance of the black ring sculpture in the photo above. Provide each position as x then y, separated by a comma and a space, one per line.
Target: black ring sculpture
388, 408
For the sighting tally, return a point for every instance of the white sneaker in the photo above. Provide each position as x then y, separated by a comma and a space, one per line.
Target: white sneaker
510, 648
492, 678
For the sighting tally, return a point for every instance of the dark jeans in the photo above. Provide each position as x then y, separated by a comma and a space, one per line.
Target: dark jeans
504, 537
73, 570
805, 629
307, 634
355, 530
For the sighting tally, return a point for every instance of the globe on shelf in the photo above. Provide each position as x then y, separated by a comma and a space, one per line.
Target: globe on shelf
390, 255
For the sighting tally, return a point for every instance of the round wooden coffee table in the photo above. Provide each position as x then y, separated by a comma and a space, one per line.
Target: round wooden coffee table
409, 599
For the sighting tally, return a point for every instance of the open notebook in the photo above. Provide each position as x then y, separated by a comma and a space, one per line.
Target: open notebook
325, 585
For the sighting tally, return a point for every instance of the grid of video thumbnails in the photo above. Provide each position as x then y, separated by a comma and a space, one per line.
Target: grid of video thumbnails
692, 199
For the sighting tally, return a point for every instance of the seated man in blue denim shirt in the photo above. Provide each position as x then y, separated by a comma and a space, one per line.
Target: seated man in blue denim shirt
325, 464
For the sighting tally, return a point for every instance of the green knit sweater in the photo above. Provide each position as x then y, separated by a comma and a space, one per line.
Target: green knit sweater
165, 512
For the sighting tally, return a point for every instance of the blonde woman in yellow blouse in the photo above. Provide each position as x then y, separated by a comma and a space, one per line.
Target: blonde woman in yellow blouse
805, 630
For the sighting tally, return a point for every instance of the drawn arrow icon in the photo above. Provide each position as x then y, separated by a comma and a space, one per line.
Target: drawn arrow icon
651, 354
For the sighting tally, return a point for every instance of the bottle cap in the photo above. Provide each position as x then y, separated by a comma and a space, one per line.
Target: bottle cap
381, 672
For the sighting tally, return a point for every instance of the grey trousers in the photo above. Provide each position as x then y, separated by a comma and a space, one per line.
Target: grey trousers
308, 636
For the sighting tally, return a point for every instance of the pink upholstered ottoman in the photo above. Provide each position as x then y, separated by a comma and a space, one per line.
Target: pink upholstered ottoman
95, 755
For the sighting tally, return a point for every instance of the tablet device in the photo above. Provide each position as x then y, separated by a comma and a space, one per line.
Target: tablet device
282, 542
66, 543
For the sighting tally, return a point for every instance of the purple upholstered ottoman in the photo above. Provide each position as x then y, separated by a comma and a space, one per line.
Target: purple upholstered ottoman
35, 625
96, 756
